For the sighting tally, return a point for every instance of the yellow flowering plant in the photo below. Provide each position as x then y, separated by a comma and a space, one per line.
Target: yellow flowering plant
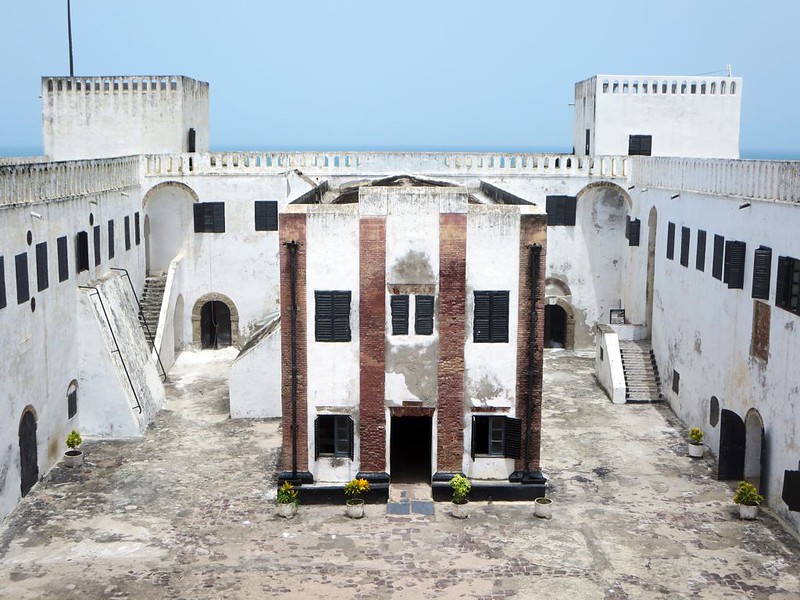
355, 488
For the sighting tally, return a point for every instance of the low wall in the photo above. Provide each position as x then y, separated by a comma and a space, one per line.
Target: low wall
255, 381
608, 364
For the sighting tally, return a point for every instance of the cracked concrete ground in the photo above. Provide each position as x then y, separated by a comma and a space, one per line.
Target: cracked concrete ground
185, 512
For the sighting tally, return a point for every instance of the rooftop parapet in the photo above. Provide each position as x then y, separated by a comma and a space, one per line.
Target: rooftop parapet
128, 84
666, 85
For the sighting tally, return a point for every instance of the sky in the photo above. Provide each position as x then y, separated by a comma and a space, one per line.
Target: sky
403, 75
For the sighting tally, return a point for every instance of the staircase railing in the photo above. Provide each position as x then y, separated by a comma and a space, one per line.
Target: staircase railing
150, 336
116, 344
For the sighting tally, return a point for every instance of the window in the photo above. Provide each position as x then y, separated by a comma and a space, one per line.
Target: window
21, 264
719, 254
209, 217
561, 210
399, 306
72, 400
423, 315
266, 212
640, 145
96, 232
111, 249
332, 316
81, 252
735, 253
676, 382
2, 282
633, 228
137, 231
671, 241
762, 270
787, 289
42, 275
496, 436
333, 436
700, 260
491, 317
686, 236
127, 233
63, 261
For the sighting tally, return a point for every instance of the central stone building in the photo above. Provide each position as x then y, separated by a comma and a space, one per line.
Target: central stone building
412, 336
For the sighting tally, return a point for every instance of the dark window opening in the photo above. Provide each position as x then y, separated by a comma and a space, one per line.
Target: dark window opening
762, 271
2, 282
555, 326
21, 264
111, 248
719, 257
588, 139
81, 252
127, 233
787, 291
72, 401
700, 260
685, 241
496, 436
137, 230
410, 449
713, 412
332, 316
28, 453
490, 323
735, 254
209, 217
63, 260
42, 273
266, 214
192, 140
676, 382
399, 306
96, 232
640, 145
423, 314
633, 228
334, 436
671, 241
215, 325
561, 210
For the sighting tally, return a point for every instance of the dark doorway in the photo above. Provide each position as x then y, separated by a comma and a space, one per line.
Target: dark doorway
28, 457
555, 326
215, 325
731, 446
411, 449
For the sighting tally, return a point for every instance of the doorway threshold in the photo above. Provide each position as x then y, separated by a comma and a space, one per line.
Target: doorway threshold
410, 498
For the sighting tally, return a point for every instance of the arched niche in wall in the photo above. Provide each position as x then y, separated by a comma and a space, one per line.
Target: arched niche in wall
28, 450
559, 315
198, 314
754, 448
169, 216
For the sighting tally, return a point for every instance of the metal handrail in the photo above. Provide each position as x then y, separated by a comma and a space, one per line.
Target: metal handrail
144, 320
116, 344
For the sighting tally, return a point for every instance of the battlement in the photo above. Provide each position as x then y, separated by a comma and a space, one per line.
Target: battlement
128, 84
665, 85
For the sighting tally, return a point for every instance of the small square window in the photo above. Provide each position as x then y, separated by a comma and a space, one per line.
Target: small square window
333, 436
209, 217
266, 215
496, 436
490, 323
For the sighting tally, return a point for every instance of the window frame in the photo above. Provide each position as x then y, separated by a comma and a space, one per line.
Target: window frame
787, 284
640, 144
496, 436
399, 306
339, 329
63, 258
424, 320
561, 210
342, 428
265, 213
493, 319
209, 217
42, 267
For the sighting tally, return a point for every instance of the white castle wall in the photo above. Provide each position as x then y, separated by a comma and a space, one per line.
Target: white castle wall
255, 381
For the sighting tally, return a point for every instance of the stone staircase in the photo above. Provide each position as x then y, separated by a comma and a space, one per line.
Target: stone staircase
151, 305
642, 383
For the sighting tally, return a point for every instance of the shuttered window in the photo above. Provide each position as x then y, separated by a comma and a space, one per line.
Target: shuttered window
423, 315
561, 210
127, 233
111, 248
735, 254
334, 435
23, 289
496, 436
640, 145
96, 232
686, 237
787, 289
42, 273
762, 269
72, 401
490, 323
719, 257
671, 241
63, 260
209, 217
137, 230
700, 260
634, 229
81, 252
266, 214
332, 316
2, 282
399, 306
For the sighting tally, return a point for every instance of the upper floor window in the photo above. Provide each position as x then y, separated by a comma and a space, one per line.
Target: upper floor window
787, 291
640, 145
332, 316
266, 214
561, 210
209, 217
400, 305
490, 324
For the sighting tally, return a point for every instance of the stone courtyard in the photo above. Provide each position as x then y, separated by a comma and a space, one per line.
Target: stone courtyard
188, 512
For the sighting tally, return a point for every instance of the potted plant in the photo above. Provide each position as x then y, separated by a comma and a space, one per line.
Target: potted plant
287, 500
355, 505
73, 457
748, 499
461, 488
696, 447
543, 507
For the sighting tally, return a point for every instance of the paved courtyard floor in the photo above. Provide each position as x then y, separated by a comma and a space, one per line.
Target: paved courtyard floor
186, 512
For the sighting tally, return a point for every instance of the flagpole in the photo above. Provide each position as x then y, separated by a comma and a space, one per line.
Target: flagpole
69, 34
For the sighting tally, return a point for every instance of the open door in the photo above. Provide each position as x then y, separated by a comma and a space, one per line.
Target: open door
732, 440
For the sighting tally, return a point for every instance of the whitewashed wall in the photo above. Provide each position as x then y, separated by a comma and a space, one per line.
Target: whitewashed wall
255, 381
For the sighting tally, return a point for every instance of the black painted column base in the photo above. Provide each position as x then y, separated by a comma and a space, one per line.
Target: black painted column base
440, 485
378, 486
527, 477
299, 478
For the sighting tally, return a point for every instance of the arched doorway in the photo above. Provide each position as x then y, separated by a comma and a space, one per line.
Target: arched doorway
168, 222
652, 226
555, 326
215, 325
753, 448
28, 454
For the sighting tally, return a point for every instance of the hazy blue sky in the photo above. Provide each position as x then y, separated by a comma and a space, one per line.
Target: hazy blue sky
409, 74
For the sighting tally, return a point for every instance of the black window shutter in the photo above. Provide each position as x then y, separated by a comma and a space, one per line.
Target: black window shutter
192, 139
472, 441
735, 254
23, 290
81, 251
137, 232
550, 208
266, 215
499, 320
647, 145
2, 282
96, 232
671, 241
199, 218
341, 316
570, 208
480, 327
513, 438
719, 254
111, 249
127, 233
700, 261
323, 316
783, 287
635, 231
63, 261
762, 267
423, 318
219, 217
42, 275
352, 437
316, 438
686, 236
399, 306
72, 404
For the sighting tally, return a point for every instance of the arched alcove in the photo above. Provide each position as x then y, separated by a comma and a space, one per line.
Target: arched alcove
28, 451
230, 312
754, 447
559, 323
169, 219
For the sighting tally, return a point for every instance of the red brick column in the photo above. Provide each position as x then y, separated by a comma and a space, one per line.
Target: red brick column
293, 228
533, 230
452, 331
372, 337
